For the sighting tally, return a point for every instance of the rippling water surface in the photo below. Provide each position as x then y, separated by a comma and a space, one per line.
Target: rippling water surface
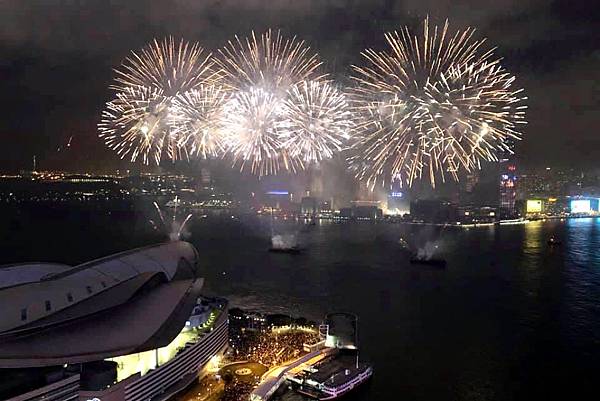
509, 319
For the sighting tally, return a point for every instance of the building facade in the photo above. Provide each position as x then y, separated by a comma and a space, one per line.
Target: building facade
131, 326
508, 191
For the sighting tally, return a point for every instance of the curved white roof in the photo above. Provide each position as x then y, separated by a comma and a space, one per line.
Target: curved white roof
32, 292
28, 272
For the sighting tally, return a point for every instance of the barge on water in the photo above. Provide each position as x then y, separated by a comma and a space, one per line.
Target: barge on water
331, 378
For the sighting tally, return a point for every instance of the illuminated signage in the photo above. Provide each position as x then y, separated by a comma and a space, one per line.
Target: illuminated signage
581, 206
278, 193
534, 206
396, 194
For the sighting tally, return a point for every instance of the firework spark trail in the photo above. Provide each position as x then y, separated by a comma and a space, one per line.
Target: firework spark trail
180, 230
317, 122
137, 122
162, 219
434, 106
167, 66
174, 229
261, 71
270, 62
197, 119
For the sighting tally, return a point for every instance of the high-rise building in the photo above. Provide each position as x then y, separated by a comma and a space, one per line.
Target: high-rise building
471, 181
278, 199
309, 205
316, 182
508, 190
398, 203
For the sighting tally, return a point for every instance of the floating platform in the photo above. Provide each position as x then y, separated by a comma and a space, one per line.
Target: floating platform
433, 262
331, 378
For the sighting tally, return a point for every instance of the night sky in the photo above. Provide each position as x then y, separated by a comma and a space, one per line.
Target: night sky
56, 60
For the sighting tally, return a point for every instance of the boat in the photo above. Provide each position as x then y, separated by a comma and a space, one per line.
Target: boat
554, 242
435, 262
291, 251
283, 243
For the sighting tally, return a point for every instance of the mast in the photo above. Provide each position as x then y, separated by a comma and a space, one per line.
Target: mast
271, 222
176, 201
356, 339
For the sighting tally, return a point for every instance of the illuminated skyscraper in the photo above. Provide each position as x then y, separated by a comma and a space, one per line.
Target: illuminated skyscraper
398, 203
508, 190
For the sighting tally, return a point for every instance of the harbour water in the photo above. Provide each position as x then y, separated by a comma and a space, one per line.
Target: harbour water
510, 318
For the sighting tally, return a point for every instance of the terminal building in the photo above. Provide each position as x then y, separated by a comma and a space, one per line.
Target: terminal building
131, 326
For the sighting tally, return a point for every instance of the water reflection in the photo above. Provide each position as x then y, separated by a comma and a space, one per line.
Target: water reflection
511, 318
530, 266
582, 281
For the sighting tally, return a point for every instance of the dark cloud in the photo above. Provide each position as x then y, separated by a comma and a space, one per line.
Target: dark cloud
56, 59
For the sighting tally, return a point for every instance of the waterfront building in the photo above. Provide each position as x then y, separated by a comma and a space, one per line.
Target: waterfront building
124, 327
280, 200
309, 206
398, 203
366, 212
534, 207
477, 214
433, 210
584, 205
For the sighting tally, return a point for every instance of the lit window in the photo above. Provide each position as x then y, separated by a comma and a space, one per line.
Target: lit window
24, 314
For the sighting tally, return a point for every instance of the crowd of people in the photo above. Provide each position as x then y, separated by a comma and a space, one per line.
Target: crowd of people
237, 391
272, 347
270, 340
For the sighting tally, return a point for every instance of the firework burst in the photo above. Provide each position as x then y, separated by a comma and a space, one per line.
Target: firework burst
167, 66
261, 70
138, 122
431, 106
269, 62
318, 122
136, 125
197, 119
253, 125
